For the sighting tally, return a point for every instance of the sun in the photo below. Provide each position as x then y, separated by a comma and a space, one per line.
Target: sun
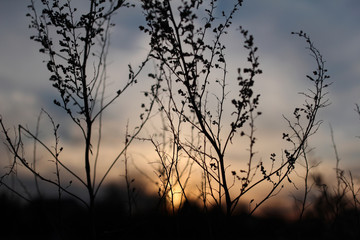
175, 199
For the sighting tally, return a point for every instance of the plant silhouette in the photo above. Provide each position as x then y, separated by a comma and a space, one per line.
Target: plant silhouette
192, 62
76, 43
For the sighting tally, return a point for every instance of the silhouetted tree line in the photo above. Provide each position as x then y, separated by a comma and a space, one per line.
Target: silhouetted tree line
202, 111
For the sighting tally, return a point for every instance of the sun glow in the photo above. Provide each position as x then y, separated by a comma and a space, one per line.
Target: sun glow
175, 198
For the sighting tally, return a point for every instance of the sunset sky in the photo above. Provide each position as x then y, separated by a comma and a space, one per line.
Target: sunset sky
333, 26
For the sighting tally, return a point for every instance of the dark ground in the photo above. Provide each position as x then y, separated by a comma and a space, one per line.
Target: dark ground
49, 219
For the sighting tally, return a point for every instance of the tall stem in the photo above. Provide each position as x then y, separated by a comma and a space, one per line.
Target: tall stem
199, 116
87, 113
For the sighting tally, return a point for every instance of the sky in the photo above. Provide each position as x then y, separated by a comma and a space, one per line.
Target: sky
333, 26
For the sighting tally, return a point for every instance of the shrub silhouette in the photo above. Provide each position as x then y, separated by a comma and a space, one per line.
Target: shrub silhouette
191, 63
76, 42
